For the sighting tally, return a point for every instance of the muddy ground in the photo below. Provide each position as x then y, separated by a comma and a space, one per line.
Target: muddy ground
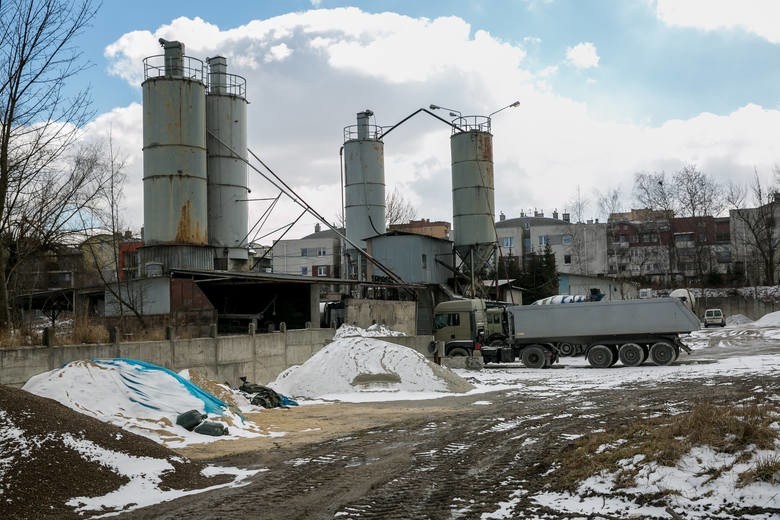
445, 458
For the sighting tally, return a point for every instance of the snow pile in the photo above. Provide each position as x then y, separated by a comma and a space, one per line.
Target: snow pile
138, 397
768, 320
701, 473
374, 331
737, 319
352, 365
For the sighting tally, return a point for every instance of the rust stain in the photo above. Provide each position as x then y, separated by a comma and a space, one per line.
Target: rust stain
188, 231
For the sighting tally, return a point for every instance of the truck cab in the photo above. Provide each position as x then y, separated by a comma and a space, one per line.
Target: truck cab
459, 323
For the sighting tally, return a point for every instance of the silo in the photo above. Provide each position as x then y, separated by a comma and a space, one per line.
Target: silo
174, 149
473, 197
364, 187
228, 213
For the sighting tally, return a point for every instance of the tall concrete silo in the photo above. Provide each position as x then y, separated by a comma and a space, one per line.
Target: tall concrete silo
364, 187
174, 148
473, 195
228, 213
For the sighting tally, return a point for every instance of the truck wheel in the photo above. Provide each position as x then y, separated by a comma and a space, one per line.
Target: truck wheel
662, 353
566, 349
631, 355
600, 356
534, 357
458, 351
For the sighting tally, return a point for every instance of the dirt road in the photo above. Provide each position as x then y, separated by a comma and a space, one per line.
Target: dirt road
459, 457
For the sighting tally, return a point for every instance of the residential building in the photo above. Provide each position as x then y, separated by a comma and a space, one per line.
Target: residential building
438, 228
579, 248
316, 255
755, 241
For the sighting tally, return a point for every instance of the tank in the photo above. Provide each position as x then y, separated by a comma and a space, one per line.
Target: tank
364, 183
174, 148
228, 212
473, 195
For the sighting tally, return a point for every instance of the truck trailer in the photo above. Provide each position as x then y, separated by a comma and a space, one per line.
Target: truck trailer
630, 331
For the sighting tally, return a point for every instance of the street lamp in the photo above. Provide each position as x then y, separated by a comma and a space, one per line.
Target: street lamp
453, 112
511, 105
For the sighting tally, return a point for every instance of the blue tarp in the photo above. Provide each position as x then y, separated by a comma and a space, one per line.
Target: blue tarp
211, 404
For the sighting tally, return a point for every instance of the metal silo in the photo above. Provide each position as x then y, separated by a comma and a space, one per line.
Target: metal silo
228, 213
174, 147
473, 196
364, 187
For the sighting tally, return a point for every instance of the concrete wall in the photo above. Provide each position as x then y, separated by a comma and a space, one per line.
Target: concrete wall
397, 315
226, 358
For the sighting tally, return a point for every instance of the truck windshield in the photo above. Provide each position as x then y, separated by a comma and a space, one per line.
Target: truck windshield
444, 320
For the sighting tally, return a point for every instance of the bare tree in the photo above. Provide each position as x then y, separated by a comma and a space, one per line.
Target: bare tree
609, 202
398, 210
696, 193
578, 206
756, 229
653, 191
39, 123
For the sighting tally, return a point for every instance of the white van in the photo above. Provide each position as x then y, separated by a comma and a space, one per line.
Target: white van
714, 317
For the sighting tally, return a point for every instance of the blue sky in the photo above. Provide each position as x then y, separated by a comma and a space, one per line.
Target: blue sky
608, 88
652, 71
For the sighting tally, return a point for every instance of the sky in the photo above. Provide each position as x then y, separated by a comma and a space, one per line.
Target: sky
607, 89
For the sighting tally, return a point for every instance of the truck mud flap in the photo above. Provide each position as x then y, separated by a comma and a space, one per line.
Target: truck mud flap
683, 346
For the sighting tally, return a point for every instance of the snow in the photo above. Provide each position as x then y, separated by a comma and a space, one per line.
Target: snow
359, 367
145, 402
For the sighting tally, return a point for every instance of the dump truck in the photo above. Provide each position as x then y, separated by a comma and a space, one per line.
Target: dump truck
629, 331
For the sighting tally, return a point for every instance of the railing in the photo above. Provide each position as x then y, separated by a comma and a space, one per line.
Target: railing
471, 123
354, 132
188, 67
227, 84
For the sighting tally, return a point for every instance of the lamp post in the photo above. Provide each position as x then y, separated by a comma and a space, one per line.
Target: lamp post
511, 105
453, 112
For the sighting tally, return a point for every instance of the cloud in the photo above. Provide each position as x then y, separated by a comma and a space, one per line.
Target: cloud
759, 17
333, 63
582, 56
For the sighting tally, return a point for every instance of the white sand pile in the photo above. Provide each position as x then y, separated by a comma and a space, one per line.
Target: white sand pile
139, 397
374, 331
738, 319
359, 364
768, 320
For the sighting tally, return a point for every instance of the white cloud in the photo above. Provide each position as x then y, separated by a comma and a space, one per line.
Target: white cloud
760, 17
583, 55
338, 62
277, 53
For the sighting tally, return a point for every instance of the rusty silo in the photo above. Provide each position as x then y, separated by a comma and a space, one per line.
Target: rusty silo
473, 196
226, 145
364, 187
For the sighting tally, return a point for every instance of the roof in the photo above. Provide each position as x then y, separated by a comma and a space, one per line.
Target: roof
328, 233
397, 232
531, 221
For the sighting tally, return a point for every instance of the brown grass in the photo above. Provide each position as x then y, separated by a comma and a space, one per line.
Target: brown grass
729, 429
766, 469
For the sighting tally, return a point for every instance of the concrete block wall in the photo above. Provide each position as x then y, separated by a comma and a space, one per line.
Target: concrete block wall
259, 357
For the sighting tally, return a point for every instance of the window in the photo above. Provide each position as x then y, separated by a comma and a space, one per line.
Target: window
425, 261
566, 240
321, 251
446, 320
303, 251
567, 259
305, 270
543, 240
322, 270
507, 241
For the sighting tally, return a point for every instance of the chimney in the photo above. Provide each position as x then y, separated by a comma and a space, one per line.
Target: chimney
317, 227
567, 217
555, 214
501, 217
